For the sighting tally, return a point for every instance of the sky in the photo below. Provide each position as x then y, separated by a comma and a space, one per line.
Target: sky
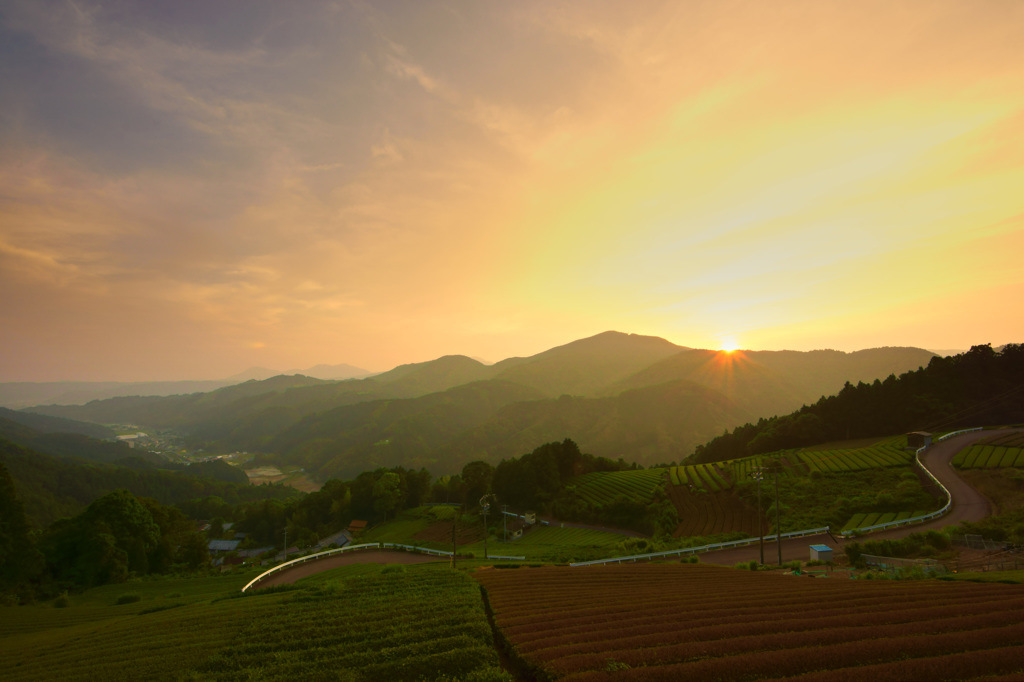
192, 188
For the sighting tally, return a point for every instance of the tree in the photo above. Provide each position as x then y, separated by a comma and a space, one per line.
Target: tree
387, 493
476, 476
19, 559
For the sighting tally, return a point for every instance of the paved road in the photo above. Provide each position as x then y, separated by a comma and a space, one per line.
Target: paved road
968, 505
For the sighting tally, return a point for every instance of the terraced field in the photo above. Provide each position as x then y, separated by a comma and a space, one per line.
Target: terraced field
693, 622
873, 457
407, 624
700, 477
989, 456
602, 486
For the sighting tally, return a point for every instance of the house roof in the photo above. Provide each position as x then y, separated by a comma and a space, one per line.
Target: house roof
223, 545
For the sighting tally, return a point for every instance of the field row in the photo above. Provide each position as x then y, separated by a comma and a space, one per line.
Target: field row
699, 477
989, 457
675, 621
394, 624
1013, 440
875, 457
874, 518
601, 486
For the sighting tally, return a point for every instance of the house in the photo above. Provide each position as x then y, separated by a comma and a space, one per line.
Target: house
355, 527
918, 439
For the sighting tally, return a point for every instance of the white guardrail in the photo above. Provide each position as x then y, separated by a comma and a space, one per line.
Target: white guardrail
701, 548
341, 550
800, 533
924, 517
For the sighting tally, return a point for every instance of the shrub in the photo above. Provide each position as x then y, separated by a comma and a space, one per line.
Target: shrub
128, 598
62, 602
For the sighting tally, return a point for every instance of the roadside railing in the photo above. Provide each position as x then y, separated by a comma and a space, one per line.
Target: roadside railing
924, 517
702, 548
342, 550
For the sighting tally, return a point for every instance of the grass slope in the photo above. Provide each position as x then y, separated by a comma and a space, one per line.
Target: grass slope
372, 623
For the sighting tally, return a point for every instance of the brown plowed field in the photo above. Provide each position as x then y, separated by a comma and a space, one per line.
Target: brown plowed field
441, 531
695, 622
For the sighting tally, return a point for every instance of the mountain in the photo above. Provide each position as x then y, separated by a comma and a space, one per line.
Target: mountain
641, 398
408, 432
587, 366
436, 375
767, 383
45, 424
17, 395
981, 386
326, 372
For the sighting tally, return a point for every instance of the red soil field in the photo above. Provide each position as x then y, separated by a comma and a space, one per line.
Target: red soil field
710, 513
684, 621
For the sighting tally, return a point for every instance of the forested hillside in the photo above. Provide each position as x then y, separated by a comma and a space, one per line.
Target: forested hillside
981, 386
51, 488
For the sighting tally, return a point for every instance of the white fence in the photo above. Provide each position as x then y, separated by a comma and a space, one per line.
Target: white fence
342, 550
924, 517
702, 548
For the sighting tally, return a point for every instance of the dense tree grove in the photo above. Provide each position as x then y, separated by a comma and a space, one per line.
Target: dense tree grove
981, 386
540, 481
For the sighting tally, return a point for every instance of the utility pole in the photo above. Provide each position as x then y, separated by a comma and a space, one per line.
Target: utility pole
758, 475
778, 526
504, 523
485, 506
286, 543
455, 518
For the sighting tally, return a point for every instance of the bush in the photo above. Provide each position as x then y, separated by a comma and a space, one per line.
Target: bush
128, 598
62, 602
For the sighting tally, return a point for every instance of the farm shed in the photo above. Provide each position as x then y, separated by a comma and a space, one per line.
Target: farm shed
356, 526
918, 439
821, 553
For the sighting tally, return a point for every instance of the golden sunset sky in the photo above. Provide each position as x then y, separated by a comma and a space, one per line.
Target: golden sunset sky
188, 189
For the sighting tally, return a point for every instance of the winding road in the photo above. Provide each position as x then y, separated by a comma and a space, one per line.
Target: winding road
968, 505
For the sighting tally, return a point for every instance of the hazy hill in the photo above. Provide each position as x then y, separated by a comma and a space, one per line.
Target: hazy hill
587, 366
647, 400
54, 487
441, 374
326, 372
17, 395
981, 386
64, 438
409, 432
46, 424
766, 383
649, 425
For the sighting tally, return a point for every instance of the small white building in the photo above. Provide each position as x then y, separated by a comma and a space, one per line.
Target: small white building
821, 553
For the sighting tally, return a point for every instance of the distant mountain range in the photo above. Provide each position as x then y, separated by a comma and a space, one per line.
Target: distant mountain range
640, 398
16, 395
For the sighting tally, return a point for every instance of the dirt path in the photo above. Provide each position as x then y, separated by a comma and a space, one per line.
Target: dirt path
290, 575
968, 505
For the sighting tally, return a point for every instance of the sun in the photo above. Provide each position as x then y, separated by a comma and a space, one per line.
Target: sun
729, 344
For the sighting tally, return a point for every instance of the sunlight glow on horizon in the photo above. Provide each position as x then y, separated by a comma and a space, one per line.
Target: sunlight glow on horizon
787, 175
